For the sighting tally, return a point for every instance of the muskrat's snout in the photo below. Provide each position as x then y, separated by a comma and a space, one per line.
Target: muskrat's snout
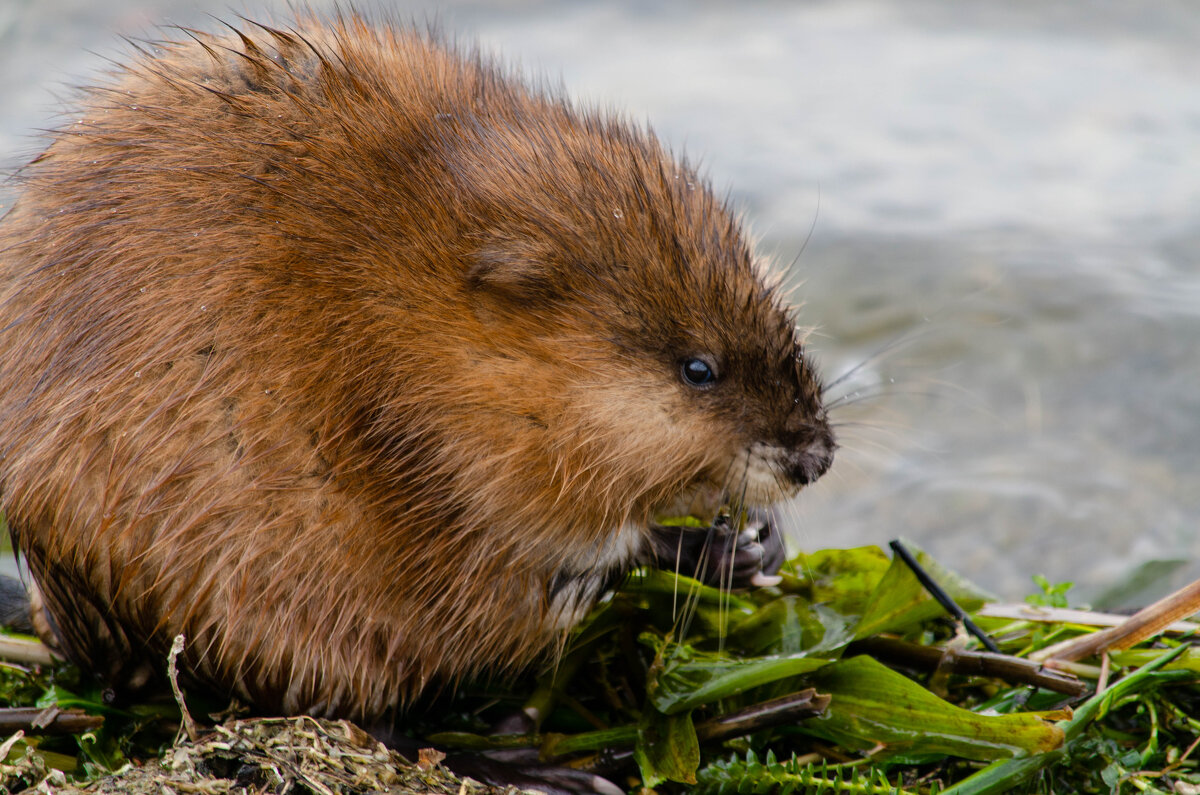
806, 440
809, 454
794, 458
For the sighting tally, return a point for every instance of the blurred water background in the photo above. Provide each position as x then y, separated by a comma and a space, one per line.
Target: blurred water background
994, 209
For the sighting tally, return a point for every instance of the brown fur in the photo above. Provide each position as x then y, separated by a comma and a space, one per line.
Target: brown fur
340, 351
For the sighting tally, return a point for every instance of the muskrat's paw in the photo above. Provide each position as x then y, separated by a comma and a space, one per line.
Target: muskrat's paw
522, 770
720, 555
517, 767
16, 611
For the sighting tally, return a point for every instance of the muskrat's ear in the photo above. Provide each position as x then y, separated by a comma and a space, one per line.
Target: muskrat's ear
512, 275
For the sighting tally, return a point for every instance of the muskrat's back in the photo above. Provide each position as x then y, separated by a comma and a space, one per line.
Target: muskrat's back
365, 366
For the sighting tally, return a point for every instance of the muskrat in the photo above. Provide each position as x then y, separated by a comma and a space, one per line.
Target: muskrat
368, 365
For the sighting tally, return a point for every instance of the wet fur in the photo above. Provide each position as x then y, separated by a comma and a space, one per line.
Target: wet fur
341, 350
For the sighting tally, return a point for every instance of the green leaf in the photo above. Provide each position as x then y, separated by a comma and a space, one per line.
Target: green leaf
666, 599
1052, 595
1146, 583
100, 752
843, 579
1188, 660
874, 706
58, 696
683, 678
659, 583
789, 624
900, 603
684, 521
667, 748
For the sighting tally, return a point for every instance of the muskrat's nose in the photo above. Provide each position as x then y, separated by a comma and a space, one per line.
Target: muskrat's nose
810, 459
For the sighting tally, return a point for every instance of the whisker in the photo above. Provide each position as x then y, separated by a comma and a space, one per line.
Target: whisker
871, 424
737, 509
694, 506
675, 587
852, 398
812, 228
874, 356
863, 446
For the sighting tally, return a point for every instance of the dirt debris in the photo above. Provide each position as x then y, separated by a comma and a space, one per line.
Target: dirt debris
282, 756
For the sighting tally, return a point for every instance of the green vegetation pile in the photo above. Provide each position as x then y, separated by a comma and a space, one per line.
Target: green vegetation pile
846, 677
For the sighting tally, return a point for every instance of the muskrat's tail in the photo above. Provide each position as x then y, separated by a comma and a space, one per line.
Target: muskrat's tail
15, 610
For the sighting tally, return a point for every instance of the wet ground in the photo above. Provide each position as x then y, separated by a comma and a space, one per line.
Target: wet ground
994, 208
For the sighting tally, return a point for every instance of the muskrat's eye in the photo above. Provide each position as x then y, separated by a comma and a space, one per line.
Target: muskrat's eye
697, 372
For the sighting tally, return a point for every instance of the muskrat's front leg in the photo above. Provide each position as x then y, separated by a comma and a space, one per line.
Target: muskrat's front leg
722, 555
